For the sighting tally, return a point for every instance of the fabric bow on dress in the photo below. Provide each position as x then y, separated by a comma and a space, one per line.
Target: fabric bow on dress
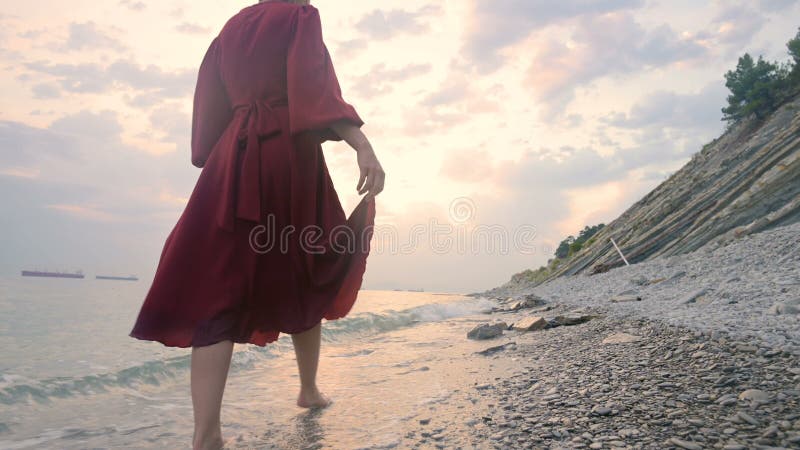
259, 122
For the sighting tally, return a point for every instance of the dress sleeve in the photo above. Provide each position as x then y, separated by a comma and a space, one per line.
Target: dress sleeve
212, 110
315, 97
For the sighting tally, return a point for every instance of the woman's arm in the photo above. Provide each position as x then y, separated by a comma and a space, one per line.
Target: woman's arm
372, 175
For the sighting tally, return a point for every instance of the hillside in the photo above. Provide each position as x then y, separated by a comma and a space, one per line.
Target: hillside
745, 181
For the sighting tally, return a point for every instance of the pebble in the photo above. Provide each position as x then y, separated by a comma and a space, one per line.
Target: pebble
747, 418
601, 410
755, 395
693, 296
734, 446
771, 431
685, 444
621, 338
628, 432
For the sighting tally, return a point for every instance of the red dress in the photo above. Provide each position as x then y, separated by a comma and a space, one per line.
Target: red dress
263, 245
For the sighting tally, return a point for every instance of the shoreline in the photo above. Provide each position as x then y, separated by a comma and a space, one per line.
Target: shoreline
617, 383
694, 351
746, 289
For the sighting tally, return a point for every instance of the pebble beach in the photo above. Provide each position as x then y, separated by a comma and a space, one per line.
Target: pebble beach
694, 351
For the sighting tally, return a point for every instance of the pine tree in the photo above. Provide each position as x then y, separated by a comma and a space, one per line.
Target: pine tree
794, 51
755, 88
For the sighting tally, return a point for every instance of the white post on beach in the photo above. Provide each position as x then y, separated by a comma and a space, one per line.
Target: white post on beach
619, 251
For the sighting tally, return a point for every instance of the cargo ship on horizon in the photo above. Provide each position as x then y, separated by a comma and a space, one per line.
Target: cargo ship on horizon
46, 274
111, 277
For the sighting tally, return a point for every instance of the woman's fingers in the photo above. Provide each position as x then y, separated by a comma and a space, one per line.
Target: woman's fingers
377, 177
371, 175
361, 180
369, 182
377, 187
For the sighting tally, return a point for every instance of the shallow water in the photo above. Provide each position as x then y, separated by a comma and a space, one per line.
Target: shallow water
70, 377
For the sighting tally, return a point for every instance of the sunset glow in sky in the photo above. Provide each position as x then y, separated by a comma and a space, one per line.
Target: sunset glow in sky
546, 115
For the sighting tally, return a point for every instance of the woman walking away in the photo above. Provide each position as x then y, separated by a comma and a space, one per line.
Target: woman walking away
240, 265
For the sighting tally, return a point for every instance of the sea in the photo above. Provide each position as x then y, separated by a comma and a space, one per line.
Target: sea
72, 378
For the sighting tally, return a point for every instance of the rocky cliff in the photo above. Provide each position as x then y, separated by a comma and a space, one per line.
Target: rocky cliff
745, 181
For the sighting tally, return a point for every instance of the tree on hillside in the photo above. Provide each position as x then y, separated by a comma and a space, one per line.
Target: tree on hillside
571, 244
753, 88
759, 87
563, 248
794, 51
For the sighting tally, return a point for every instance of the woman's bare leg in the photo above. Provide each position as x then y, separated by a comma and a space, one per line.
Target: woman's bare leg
210, 366
306, 349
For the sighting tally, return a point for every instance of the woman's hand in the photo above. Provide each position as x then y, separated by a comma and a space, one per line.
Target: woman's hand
371, 173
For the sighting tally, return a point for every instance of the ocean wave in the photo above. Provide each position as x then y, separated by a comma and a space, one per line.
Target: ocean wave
374, 323
16, 390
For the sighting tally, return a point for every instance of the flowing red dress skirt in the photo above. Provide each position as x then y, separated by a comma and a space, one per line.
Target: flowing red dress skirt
262, 279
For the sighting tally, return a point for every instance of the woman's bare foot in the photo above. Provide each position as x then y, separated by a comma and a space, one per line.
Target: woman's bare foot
312, 398
210, 443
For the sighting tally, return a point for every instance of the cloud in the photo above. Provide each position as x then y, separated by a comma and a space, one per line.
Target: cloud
173, 123
455, 102
776, 5
498, 24
657, 142
102, 126
144, 100
381, 25
85, 150
450, 92
381, 80
735, 26
658, 147
532, 189
168, 83
94, 78
20, 172
31, 34
86, 36
133, 5
79, 78
674, 110
349, 48
45, 91
420, 122
604, 45
192, 28
667, 127
563, 169
25, 146
54, 225
80, 196
86, 212
177, 13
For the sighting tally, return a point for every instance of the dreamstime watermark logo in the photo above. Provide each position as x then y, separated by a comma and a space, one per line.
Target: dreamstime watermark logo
462, 210
461, 233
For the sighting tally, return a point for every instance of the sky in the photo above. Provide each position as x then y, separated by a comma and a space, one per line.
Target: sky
503, 126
